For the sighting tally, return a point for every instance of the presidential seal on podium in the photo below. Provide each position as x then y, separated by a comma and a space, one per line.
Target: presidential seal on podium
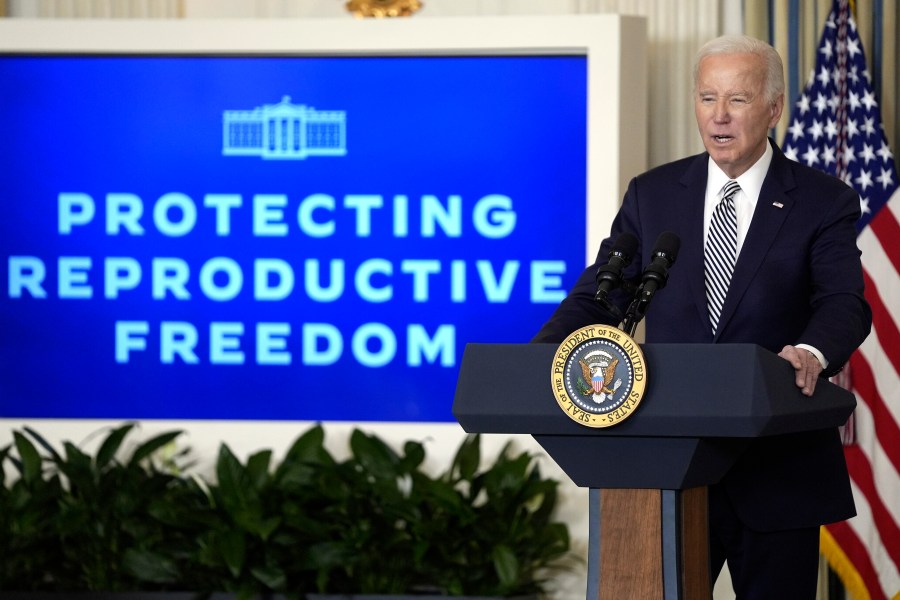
599, 376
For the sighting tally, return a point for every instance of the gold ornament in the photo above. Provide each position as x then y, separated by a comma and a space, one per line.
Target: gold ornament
383, 8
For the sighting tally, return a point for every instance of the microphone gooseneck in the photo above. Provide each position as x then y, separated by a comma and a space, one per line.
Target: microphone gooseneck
653, 279
609, 276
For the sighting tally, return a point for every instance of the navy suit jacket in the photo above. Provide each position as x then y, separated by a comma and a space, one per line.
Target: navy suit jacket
798, 279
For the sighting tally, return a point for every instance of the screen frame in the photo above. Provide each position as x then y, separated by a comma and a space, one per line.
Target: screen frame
615, 47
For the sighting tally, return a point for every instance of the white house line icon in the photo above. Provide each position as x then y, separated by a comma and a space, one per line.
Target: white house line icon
284, 131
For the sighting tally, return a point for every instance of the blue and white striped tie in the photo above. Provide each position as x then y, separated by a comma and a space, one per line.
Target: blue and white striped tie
721, 252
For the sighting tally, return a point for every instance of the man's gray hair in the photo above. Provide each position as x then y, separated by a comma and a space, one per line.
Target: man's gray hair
744, 44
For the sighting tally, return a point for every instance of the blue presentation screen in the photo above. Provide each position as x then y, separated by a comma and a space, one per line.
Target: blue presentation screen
303, 238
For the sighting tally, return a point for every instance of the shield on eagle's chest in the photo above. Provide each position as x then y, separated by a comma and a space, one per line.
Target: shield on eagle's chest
597, 381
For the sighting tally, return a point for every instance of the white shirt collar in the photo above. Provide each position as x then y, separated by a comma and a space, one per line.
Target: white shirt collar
751, 180
745, 200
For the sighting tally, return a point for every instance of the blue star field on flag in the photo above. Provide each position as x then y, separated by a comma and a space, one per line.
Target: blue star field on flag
836, 126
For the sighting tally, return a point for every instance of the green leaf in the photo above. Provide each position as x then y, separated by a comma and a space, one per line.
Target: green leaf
44, 444
149, 566
4, 453
111, 445
376, 457
506, 565
268, 526
468, 457
77, 464
272, 577
326, 555
309, 447
31, 460
414, 455
258, 468
152, 445
239, 497
507, 475
230, 474
547, 501
443, 493
233, 547
557, 536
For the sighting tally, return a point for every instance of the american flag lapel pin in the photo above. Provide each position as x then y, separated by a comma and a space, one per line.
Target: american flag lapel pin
778, 205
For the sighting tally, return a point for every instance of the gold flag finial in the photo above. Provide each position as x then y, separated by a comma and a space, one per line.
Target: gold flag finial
383, 8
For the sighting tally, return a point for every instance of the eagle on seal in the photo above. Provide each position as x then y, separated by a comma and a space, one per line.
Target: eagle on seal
600, 378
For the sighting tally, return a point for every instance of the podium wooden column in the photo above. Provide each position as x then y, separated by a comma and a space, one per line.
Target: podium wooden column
647, 476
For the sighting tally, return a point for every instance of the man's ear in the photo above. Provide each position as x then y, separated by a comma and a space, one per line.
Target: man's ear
777, 107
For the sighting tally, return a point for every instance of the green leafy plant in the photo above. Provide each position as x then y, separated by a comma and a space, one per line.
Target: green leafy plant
71, 521
374, 523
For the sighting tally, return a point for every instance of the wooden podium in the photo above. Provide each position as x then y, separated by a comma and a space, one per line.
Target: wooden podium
647, 476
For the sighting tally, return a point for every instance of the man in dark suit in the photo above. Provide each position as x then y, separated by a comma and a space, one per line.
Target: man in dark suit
796, 288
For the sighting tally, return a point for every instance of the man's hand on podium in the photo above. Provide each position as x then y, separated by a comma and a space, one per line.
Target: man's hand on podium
806, 365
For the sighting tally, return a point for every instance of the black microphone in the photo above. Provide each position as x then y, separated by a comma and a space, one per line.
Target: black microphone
656, 274
609, 276
654, 278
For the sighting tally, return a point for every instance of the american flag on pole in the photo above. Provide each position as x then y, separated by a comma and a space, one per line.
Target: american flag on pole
836, 126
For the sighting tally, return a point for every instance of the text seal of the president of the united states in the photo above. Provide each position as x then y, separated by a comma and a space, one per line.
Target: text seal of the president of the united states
599, 375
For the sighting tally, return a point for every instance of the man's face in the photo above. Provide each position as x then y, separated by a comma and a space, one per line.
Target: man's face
732, 112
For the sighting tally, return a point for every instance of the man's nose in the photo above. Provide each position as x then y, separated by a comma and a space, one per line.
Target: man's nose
720, 111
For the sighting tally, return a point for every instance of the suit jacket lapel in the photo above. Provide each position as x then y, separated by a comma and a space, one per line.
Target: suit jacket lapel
768, 217
691, 255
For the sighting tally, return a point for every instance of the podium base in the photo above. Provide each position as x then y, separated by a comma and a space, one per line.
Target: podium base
650, 544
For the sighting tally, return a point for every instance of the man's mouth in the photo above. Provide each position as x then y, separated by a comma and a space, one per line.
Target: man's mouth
722, 138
